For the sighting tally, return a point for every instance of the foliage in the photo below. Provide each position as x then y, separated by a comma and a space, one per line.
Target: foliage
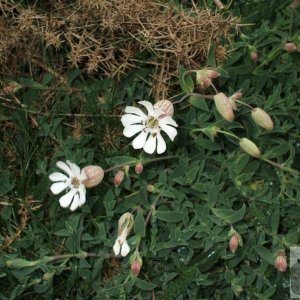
185, 206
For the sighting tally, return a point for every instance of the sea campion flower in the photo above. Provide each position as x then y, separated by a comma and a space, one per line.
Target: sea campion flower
125, 225
73, 183
149, 127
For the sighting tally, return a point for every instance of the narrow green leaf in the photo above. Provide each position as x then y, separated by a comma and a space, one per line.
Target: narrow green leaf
230, 216
169, 216
265, 254
139, 224
144, 285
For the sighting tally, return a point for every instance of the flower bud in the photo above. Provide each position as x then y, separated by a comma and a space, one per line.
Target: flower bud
151, 188
139, 168
136, 267
234, 242
290, 47
125, 224
224, 107
203, 77
237, 95
212, 74
11, 88
249, 147
94, 175
166, 106
280, 262
254, 56
119, 177
261, 118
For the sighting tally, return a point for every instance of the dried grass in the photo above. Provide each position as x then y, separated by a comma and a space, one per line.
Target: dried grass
109, 37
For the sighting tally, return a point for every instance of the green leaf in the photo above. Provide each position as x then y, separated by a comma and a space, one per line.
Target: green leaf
5, 186
198, 102
169, 216
144, 285
139, 224
275, 220
124, 160
185, 80
230, 216
265, 254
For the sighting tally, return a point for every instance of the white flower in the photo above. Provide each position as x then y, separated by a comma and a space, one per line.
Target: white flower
125, 225
149, 127
73, 183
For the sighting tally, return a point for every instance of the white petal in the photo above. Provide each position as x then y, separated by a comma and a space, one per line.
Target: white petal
168, 120
125, 249
135, 110
131, 130
75, 203
66, 199
62, 165
117, 247
148, 106
169, 130
161, 144
57, 176
82, 176
140, 140
82, 193
75, 169
157, 112
58, 187
130, 119
150, 144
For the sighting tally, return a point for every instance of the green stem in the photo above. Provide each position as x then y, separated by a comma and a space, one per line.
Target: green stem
245, 104
144, 162
229, 134
280, 166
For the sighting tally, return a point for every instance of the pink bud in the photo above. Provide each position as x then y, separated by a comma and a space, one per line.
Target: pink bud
118, 178
290, 47
212, 74
253, 56
136, 267
94, 175
295, 3
280, 263
224, 106
139, 168
234, 242
237, 95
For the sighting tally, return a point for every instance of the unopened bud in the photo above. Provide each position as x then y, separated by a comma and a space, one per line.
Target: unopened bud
136, 267
234, 242
11, 88
139, 168
249, 147
224, 107
254, 56
151, 188
236, 95
280, 262
166, 106
290, 47
295, 4
212, 74
94, 175
203, 77
261, 118
119, 177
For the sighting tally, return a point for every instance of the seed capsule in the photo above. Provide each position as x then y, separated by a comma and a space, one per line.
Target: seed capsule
94, 174
290, 47
224, 106
249, 147
118, 178
262, 119
166, 106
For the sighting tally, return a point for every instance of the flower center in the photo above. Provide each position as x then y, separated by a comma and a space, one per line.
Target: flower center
75, 182
152, 122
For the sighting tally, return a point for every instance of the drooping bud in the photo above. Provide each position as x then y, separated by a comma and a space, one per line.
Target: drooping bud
11, 88
139, 168
254, 56
135, 267
94, 174
249, 147
203, 77
290, 47
261, 118
166, 106
234, 242
224, 107
237, 95
280, 262
212, 74
119, 177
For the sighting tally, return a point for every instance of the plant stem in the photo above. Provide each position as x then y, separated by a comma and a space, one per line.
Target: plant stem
280, 166
245, 104
229, 134
152, 209
144, 162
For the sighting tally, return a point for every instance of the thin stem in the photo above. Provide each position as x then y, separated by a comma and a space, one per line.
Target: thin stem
211, 97
245, 104
152, 209
229, 134
144, 162
280, 166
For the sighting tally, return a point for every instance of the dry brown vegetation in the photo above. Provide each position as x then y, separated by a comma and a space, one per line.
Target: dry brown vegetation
109, 37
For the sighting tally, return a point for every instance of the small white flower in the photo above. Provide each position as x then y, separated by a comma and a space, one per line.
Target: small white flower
73, 183
149, 127
125, 225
